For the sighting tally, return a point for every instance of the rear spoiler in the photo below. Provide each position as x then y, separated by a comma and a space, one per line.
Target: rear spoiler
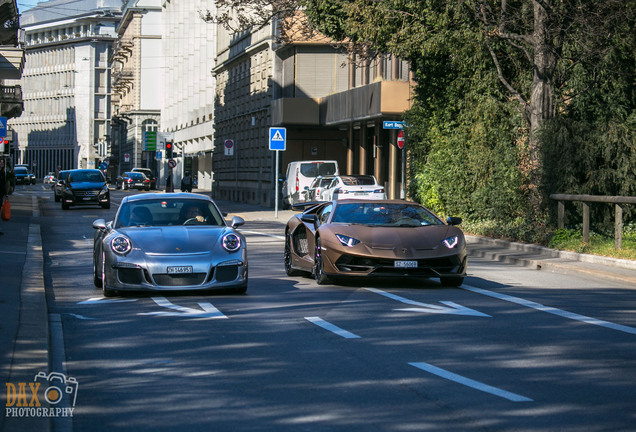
306, 205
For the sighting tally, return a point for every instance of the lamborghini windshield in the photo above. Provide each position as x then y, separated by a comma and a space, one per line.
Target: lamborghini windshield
384, 214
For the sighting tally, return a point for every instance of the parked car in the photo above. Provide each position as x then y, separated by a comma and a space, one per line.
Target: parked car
353, 186
314, 191
85, 187
58, 185
148, 173
49, 178
301, 174
391, 238
23, 175
133, 180
169, 242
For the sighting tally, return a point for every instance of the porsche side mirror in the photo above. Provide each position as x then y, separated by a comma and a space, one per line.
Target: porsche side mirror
454, 220
99, 224
237, 221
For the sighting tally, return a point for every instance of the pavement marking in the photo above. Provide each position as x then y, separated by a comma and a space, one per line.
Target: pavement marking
551, 310
208, 311
470, 383
95, 300
279, 237
452, 308
331, 327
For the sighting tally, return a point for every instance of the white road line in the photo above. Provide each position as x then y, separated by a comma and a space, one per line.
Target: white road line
551, 310
279, 237
470, 383
332, 328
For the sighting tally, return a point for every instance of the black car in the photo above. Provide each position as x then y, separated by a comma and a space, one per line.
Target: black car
59, 184
133, 180
85, 187
148, 173
24, 176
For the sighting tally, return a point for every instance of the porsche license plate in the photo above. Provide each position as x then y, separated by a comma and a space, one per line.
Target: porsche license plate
179, 269
406, 264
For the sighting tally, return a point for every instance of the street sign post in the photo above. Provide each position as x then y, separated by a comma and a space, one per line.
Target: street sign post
229, 147
277, 142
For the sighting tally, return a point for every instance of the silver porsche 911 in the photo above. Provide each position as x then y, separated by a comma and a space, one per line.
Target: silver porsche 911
169, 241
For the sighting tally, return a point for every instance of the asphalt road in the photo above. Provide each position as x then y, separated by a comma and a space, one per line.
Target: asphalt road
512, 349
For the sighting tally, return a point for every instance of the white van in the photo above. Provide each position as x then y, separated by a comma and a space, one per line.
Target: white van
300, 174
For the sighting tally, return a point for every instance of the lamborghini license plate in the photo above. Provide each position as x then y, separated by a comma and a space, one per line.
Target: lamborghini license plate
406, 264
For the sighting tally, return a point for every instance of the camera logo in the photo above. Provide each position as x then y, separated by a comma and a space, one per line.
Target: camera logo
24, 398
56, 385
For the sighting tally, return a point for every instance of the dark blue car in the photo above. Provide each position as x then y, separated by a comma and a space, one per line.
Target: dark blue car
23, 176
85, 187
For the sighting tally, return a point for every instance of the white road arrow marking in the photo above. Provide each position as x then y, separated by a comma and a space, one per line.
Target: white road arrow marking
208, 311
450, 308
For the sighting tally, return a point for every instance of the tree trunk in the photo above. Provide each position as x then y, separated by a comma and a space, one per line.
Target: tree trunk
541, 106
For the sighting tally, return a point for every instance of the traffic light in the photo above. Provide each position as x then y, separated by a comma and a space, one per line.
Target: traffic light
169, 145
5, 146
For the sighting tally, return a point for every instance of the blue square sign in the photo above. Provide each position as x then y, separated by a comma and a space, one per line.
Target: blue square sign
277, 138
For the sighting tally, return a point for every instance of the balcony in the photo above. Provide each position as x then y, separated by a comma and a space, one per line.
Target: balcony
11, 104
11, 62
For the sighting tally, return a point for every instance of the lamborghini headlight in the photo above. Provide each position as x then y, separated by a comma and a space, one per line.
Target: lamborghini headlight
451, 242
346, 240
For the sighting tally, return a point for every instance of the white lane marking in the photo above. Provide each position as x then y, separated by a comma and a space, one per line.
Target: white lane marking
96, 300
453, 308
279, 237
82, 317
331, 327
208, 311
551, 310
470, 383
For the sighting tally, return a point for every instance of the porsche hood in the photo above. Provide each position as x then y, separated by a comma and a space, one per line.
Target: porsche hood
175, 239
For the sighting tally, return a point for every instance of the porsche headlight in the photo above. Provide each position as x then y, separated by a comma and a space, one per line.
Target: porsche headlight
451, 242
120, 245
346, 240
231, 242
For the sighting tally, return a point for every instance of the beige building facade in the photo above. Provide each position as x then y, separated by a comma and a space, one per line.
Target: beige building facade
332, 105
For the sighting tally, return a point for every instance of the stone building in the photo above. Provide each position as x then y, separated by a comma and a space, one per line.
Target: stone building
66, 84
137, 81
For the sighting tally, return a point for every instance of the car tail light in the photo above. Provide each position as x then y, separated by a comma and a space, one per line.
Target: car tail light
297, 181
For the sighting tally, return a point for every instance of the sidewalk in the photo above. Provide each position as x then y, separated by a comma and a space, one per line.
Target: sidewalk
24, 330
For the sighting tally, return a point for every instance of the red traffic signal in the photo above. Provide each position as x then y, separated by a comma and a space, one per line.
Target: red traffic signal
168, 150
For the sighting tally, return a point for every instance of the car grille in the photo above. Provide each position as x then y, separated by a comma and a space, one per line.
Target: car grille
379, 266
85, 193
182, 279
226, 273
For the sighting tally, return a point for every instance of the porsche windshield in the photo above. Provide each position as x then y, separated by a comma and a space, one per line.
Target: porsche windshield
168, 212
384, 214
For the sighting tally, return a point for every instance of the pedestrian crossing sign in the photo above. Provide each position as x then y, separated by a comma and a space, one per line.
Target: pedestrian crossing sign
277, 138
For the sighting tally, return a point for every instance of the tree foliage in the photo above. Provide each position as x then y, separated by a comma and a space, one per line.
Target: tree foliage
515, 99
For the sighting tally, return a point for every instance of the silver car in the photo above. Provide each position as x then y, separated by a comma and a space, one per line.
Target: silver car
166, 242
